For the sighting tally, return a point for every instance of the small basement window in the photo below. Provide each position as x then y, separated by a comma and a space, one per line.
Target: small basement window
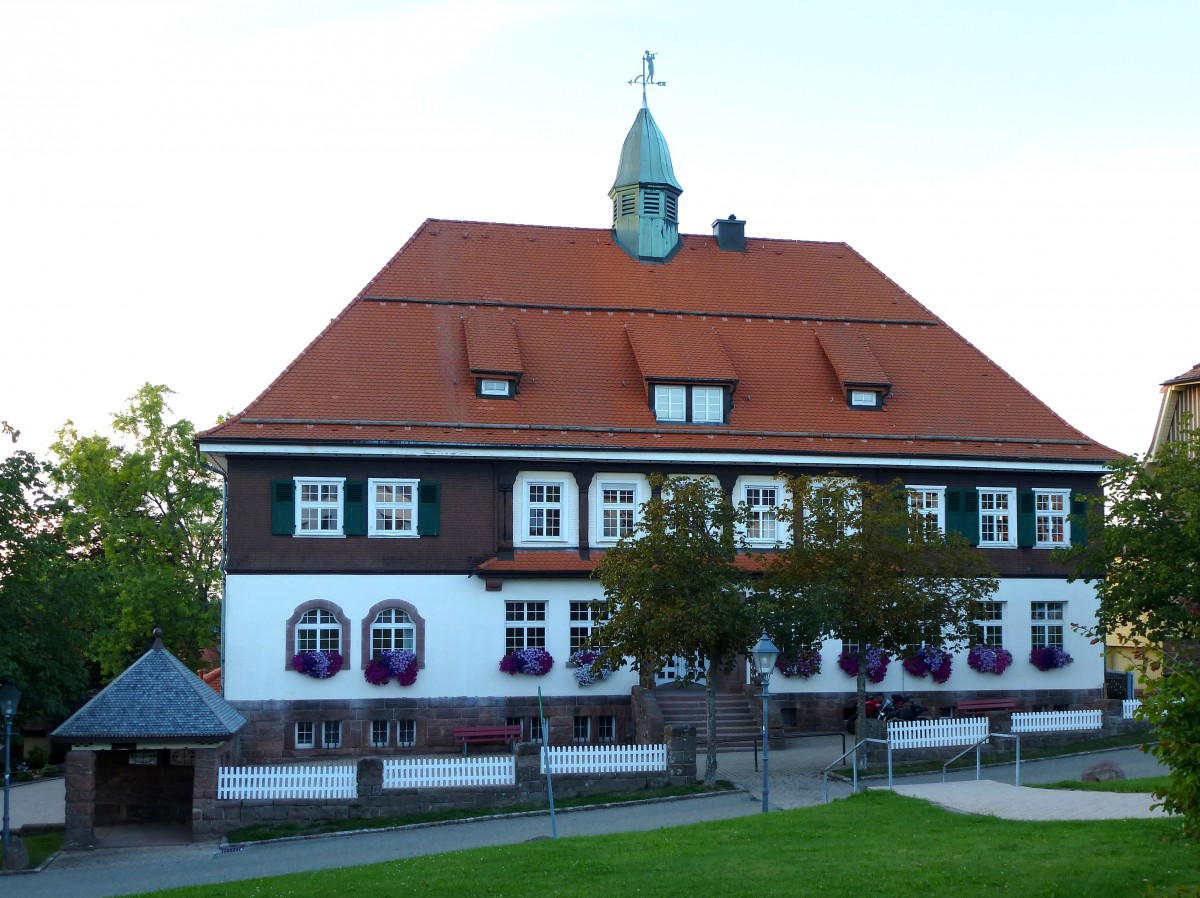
496, 387
865, 399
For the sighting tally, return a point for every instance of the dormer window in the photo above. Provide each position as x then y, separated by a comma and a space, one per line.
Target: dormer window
864, 398
496, 388
689, 404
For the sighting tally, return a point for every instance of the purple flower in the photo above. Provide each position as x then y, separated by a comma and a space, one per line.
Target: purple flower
583, 661
318, 665
877, 663
1049, 657
804, 663
534, 662
398, 663
929, 661
989, 659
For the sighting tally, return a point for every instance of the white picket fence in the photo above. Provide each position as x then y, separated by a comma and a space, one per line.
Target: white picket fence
292, 781
444, 773
1052, 721
937, 733
605, 758
1129, 708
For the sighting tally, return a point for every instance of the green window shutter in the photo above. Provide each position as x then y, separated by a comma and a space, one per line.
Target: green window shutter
962, 514
1079, 513
283, 507
354, 509
1026, 519
429, 508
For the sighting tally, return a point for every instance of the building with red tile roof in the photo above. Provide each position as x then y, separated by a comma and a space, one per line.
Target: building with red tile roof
439, 469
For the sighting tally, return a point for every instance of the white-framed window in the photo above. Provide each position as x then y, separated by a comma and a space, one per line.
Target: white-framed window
1046, 624
930, 503
406, 733
684, 403
618, 510
989, 628
997, 517
535, 729
524, 625
318, 630
708, 405
761, 499
331, 734
392, 507
304, 734
1052, 510
392, 628
607, 728
544, 507
379, 733
864, 398
581, 729
494, 386
319, 506
583, 619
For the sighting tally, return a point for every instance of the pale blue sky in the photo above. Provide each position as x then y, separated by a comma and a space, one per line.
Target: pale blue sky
189, 191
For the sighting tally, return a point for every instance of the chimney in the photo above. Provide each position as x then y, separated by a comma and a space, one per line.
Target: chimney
730, 233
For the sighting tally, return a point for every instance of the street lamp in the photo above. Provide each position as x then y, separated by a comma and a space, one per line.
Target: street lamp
764, 655
10, 697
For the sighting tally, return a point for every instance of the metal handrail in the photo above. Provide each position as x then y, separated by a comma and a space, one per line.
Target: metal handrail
854, 766
976, 748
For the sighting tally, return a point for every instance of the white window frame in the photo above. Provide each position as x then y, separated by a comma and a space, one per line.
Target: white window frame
929, 502
325, 628
380, 739
375, 505
524, 624
1008, 514
545, 506
1050, 514
581, 729
306, 734
670, 403
1046, 627
990, 623
704, 401
495, 386
385, 628
568, 506
331, 734
583, 621
633, 506
406, 733
320, 504
760, 512
864, 399
607, 728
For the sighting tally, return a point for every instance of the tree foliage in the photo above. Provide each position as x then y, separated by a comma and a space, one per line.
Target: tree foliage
148, 505
674, 588
47, 614
1146, 562
863, 566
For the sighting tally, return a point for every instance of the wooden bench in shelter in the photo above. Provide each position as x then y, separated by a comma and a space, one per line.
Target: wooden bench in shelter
492, 734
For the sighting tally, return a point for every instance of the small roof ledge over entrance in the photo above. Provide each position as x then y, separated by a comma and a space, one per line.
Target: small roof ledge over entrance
156, 703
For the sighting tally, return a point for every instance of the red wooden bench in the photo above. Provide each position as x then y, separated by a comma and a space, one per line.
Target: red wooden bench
985, 704
494, 733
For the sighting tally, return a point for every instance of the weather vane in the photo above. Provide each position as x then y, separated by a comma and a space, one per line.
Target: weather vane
647, 76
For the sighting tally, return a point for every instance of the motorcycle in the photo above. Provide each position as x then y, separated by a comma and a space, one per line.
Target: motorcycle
874, 704
903, 707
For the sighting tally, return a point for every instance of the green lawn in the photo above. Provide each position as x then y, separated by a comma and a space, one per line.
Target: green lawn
875, 844
1140, 784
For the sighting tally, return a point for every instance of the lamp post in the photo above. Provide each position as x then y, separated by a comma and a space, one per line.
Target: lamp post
764, 655
10, 697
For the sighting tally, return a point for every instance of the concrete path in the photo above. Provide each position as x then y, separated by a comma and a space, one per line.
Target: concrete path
795, 781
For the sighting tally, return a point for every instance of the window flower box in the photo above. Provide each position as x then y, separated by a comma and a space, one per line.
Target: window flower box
928, 661
398, 663
532, 662
584, 674
319, 665
992, 659
1049, 657
804, 663
877, 663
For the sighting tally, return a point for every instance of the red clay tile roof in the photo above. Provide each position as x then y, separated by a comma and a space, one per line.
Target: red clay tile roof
849, 352
395, 367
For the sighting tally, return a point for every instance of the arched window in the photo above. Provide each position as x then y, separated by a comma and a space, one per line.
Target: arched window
317, 624
392, 629
393, 624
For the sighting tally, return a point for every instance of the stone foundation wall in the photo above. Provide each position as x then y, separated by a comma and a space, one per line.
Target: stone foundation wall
213, 818
269, 734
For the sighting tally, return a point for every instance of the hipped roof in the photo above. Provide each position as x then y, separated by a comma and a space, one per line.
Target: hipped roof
591, 324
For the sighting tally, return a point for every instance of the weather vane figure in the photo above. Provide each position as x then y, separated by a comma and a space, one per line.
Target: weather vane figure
647, 76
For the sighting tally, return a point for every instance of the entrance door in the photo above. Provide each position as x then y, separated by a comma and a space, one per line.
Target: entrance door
680, 669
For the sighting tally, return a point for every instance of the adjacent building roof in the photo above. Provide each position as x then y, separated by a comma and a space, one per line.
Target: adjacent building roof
157, 700
788, 323
1179, 409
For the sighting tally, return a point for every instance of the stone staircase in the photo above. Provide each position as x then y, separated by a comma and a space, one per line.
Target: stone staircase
736, 723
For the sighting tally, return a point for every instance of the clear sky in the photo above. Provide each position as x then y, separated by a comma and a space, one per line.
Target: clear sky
189, 191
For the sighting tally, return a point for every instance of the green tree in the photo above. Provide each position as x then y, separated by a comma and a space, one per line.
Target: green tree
47, 615
1146, 565
864, 566
674, 589
150, 504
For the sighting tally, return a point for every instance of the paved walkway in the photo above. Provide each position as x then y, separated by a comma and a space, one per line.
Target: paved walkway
795, 781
